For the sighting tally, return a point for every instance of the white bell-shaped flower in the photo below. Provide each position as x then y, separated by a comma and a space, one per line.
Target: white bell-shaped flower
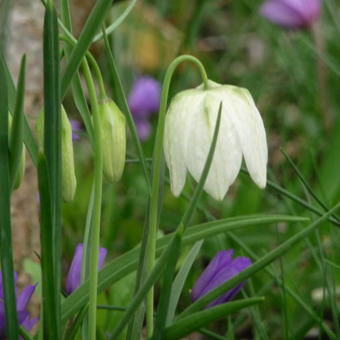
189, 129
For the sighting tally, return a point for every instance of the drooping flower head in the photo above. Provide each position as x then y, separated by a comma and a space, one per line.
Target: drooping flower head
144, 99
189, 128
221, 269
24, 318
292, 14
74, 274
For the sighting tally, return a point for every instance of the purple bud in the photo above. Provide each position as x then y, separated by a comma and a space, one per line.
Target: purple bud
144, 97
221, 269
292, 14
22, 312
74, 274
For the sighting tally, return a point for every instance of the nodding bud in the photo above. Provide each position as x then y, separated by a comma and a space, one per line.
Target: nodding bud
21, 169
69, 180
113, 126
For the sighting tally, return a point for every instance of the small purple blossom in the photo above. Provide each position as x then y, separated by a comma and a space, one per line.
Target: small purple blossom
144, 99
76, 128
220, 269
291, 14
24, 318
74, 274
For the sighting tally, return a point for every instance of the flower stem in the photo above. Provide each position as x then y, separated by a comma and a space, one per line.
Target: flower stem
156, 172
92, 61
95, 230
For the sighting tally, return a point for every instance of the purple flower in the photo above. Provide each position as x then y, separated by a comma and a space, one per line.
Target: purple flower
292, 14
221, 269
144, 99
22, 312
76, 128
74, 273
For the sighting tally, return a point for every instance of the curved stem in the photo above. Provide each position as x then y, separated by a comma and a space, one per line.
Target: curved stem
95, 230
156, 175
94, 64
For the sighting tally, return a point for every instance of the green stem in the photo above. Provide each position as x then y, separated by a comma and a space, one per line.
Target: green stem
95, 232
92, 61
156, 172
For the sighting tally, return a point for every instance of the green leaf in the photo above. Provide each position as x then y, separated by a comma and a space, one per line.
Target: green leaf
127, 263
46, 239
29, 140
50, 170
153, 277
258, 265
5, 214
197, 320
16, 140
92, 26
180, 279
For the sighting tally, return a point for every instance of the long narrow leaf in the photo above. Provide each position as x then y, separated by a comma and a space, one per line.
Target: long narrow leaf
29, 140
52, 150
46, 239
180, 279
197, 320
127, 263
16, 141
5, 214
154, 276
92, 26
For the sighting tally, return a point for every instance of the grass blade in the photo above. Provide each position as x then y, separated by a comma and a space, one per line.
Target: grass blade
16, 140
197, 320
92, 26
29, 140
258, 265
46, 239
5, 215
296, 199
52, 150
180, 279
155, 274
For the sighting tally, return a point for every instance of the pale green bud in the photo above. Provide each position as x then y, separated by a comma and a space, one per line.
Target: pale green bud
113, 139
69, 180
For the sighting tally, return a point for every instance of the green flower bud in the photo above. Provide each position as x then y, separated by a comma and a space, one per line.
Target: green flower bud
113, 139
69, 180
21, 169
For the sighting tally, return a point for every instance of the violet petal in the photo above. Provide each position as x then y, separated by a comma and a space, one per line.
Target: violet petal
74, 274
220, 260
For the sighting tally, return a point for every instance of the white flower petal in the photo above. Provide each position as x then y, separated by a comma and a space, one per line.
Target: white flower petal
175, 137
227, 158
252, 136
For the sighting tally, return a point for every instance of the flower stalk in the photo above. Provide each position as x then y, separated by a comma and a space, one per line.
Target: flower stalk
156, 171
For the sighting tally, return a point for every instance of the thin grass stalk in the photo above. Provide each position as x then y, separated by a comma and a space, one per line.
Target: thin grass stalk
5, 215
52, 151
